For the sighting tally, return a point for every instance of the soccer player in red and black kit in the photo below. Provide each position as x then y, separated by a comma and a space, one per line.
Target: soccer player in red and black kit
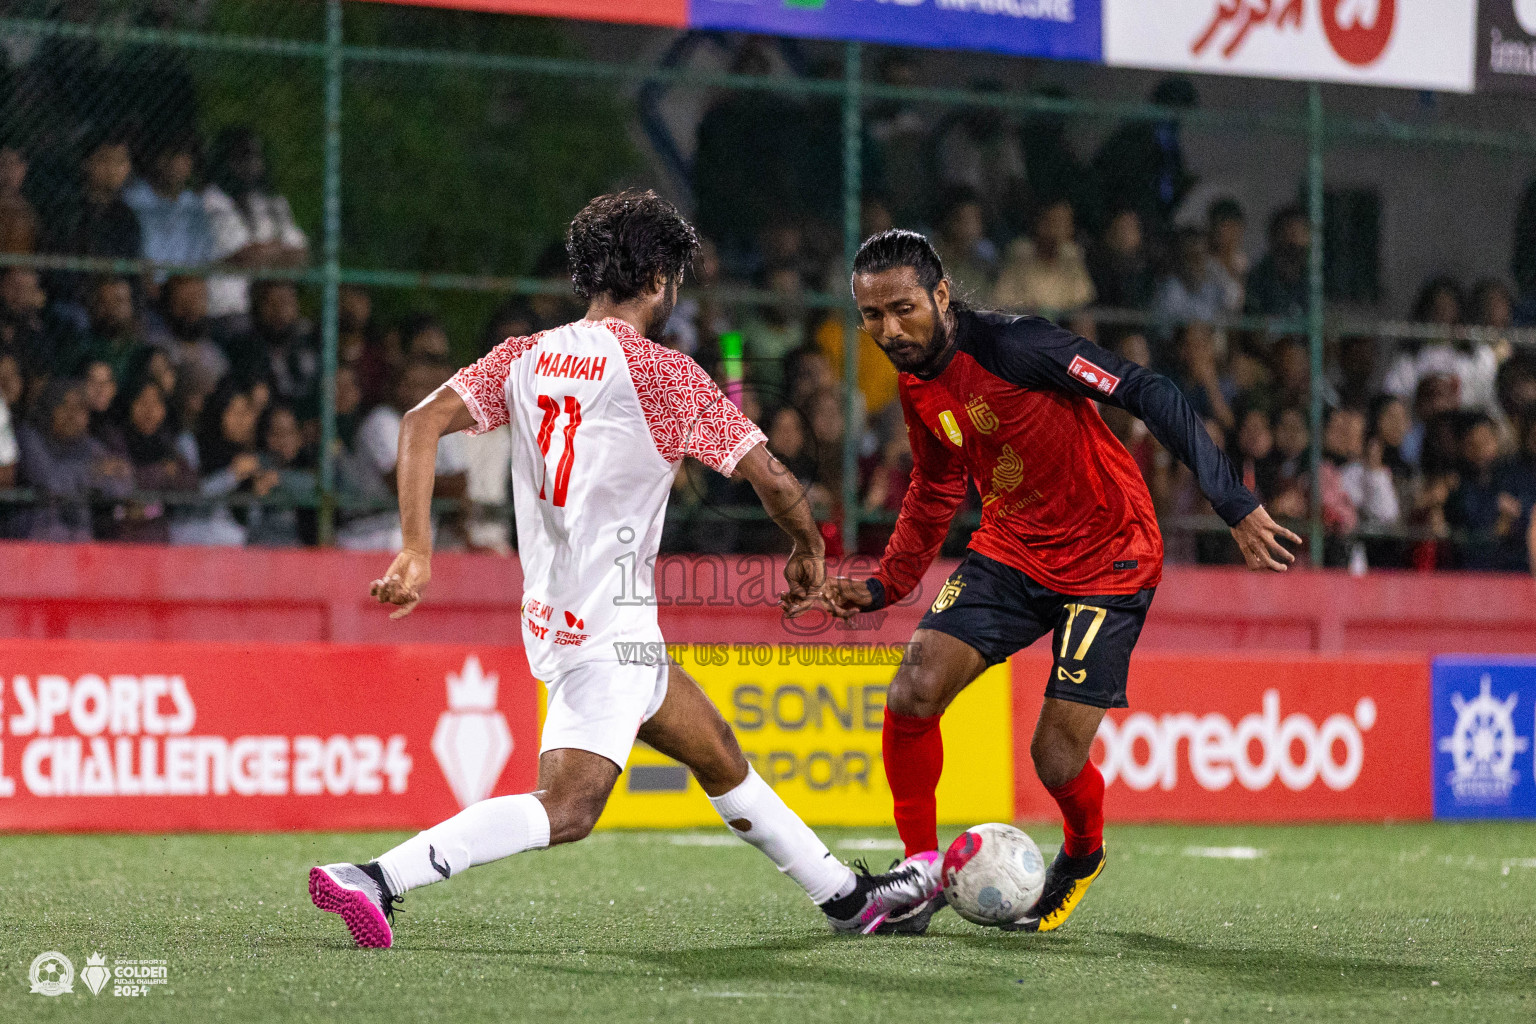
1068, 542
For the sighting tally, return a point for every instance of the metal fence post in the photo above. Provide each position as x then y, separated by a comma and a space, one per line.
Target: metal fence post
1315, 310
330, 311
853, 173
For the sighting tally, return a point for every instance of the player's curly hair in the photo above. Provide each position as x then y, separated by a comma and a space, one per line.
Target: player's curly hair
620, 244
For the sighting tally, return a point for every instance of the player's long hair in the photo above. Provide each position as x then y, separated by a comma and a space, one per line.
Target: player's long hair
899, 247
621, 244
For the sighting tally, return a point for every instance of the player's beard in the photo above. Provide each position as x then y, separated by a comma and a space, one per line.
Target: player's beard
662, 313
928, 356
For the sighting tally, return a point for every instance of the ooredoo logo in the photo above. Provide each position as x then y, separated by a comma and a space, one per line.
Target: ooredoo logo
1143, 751
1359, 30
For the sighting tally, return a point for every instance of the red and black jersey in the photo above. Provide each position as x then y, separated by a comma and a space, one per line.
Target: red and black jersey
1062, 500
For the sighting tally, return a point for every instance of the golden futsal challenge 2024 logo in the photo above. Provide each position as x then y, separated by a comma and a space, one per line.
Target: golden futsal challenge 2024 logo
53, 974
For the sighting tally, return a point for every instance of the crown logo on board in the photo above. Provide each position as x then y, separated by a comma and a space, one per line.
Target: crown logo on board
472, 688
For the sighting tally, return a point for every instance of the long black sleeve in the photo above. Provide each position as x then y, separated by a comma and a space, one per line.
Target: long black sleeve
1035, 353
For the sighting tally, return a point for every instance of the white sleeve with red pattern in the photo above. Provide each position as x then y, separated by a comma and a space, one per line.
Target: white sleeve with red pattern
483, 384
720, 434
685, 409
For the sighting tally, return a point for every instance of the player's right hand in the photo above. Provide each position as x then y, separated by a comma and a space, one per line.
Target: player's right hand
805, 572
402, 584
845, 597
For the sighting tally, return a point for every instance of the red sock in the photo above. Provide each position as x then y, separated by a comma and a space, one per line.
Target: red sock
914, 758
1082, 811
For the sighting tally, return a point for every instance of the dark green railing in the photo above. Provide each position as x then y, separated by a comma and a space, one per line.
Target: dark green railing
335, 55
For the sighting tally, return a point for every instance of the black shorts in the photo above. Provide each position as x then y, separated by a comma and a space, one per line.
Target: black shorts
998, 610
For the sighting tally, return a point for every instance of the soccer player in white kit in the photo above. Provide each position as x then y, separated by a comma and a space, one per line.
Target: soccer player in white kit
600, 417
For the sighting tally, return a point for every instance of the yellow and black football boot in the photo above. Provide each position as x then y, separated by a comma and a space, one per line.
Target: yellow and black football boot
1066, 883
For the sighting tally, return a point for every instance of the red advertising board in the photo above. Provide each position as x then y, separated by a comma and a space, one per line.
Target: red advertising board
1250, 738
143, 736
638, 12
252, 737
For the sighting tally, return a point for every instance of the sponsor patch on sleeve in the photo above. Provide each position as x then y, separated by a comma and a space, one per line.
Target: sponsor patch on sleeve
1093, 376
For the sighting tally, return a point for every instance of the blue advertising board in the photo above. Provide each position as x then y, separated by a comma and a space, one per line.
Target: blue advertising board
1062, 29
1483, 717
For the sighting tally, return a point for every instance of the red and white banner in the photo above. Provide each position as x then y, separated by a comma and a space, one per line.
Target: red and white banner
250, 737
1420, 44
673, 13
1259, 738
161, 737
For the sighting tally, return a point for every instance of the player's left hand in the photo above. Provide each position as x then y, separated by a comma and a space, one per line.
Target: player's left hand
1259, 538
805, 573
402, 584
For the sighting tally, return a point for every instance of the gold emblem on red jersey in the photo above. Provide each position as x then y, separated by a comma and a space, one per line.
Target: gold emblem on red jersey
982, 416
951, 427
948, 593
1008, 473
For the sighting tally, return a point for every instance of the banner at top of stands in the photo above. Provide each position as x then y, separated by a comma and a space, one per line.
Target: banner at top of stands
1063, 29
673, 13
1066, 29
1416, 44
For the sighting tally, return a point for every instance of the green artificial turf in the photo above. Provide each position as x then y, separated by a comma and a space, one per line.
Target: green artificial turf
1329, 923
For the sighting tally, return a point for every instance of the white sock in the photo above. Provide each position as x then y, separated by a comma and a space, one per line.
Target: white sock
768, 824
480, 833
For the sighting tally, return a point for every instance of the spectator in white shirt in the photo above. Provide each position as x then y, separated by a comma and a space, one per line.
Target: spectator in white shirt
489, 476
252, 224
1195, 290
1225, 227
1474, 364
9, 453
1357, 487
171, 216
378, 446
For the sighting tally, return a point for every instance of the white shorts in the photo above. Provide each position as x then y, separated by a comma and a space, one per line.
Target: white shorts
600, 706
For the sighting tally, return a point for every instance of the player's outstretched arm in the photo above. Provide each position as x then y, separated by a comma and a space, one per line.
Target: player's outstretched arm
416, 472
786, 503
934, 494
1042, 355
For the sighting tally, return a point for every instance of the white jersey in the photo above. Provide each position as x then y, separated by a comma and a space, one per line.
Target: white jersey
600, 416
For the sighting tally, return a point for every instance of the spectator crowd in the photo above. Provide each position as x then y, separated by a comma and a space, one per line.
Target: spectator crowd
1428, 446
184, 407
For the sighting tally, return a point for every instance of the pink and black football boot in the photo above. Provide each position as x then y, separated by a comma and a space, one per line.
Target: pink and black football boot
913, 919
875, 898
359, 893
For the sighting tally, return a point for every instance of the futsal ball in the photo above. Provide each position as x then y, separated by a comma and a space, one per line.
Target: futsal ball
993, 874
